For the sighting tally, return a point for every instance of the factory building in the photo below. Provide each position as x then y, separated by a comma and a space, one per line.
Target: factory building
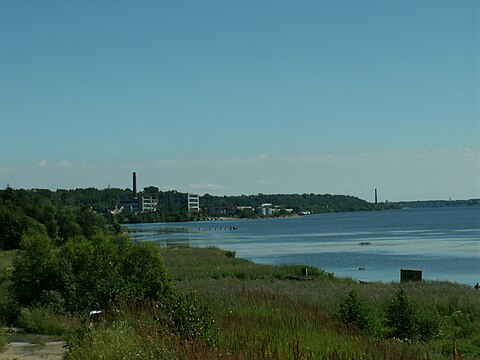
138, 204
177, 201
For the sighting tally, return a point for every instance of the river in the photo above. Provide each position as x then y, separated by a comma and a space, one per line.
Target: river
369, 246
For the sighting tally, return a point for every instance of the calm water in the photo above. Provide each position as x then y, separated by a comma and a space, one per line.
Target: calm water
442, 242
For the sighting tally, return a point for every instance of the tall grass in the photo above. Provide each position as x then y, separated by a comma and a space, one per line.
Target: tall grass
261, 314
185, 264
267, 316
44, 321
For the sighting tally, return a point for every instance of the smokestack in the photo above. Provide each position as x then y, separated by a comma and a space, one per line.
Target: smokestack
376, 198
134, 184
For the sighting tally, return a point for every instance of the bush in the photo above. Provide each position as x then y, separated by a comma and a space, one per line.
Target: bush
86, 274
190, 319
35, 269
401, 317
353, 311
408, 322
427, 324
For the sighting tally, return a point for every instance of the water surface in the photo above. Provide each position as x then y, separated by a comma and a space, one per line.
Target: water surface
442, 242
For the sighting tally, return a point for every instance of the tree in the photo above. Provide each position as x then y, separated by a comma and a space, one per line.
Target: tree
35, 269
13, 225
353, 311
401, 317
84, 274
67, 224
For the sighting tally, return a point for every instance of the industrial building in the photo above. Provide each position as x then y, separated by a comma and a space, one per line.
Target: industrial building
138, 204
176, 201
173, 201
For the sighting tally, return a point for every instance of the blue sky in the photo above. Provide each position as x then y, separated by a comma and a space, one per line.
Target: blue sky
242, 97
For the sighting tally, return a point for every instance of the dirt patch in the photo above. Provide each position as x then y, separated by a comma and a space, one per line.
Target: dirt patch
34, 347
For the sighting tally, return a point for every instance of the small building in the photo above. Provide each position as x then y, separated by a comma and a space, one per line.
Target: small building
410, 275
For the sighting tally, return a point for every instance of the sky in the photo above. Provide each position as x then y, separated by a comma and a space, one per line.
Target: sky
243, 97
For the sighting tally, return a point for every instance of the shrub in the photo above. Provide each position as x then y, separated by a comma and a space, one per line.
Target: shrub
35, 269
353, 311
86, 274
189, 318
427, 324
230, 253
401, 317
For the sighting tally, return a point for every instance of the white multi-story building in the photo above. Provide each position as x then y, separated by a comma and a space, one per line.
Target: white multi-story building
193, 203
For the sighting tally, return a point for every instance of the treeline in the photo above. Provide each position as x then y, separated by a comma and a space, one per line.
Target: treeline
313, 203
438, 203
59, 213
44, 212
68, 260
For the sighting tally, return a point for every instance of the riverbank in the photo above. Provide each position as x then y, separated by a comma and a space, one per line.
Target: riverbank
442, 242
259, 307
260, 312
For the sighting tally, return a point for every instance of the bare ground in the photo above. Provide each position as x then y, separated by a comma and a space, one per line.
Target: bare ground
33, 347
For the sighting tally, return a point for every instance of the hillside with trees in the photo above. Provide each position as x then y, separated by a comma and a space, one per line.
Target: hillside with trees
64, 213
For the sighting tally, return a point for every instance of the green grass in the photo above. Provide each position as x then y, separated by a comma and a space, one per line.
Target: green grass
186, 264
263, 315
44, 321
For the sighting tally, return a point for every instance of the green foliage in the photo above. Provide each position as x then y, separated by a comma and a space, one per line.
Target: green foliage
3, 338
353, 311
409, 322
85, 274
170, 329
44, 321
230, 253
401, 317
74, 222
13, 225
143, 270
35, 269
218, 264
190, 318
8, 309
427, 324
314, 203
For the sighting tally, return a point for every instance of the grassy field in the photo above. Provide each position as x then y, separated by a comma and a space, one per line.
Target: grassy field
260, 312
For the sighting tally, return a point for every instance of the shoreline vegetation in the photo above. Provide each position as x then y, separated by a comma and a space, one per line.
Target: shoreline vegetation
254, 311
67, 271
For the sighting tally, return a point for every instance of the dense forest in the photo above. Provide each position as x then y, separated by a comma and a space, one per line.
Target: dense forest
438, 203
64, 213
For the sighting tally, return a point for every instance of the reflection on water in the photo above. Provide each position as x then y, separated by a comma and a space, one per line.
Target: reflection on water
444, 243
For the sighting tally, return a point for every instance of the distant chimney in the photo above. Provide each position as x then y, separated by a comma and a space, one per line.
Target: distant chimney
134, 184
376, 198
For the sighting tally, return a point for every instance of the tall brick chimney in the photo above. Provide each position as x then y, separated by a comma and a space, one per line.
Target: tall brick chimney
134, 184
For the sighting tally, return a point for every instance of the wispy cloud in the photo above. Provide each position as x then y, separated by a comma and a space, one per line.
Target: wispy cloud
206, 187
423, 174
